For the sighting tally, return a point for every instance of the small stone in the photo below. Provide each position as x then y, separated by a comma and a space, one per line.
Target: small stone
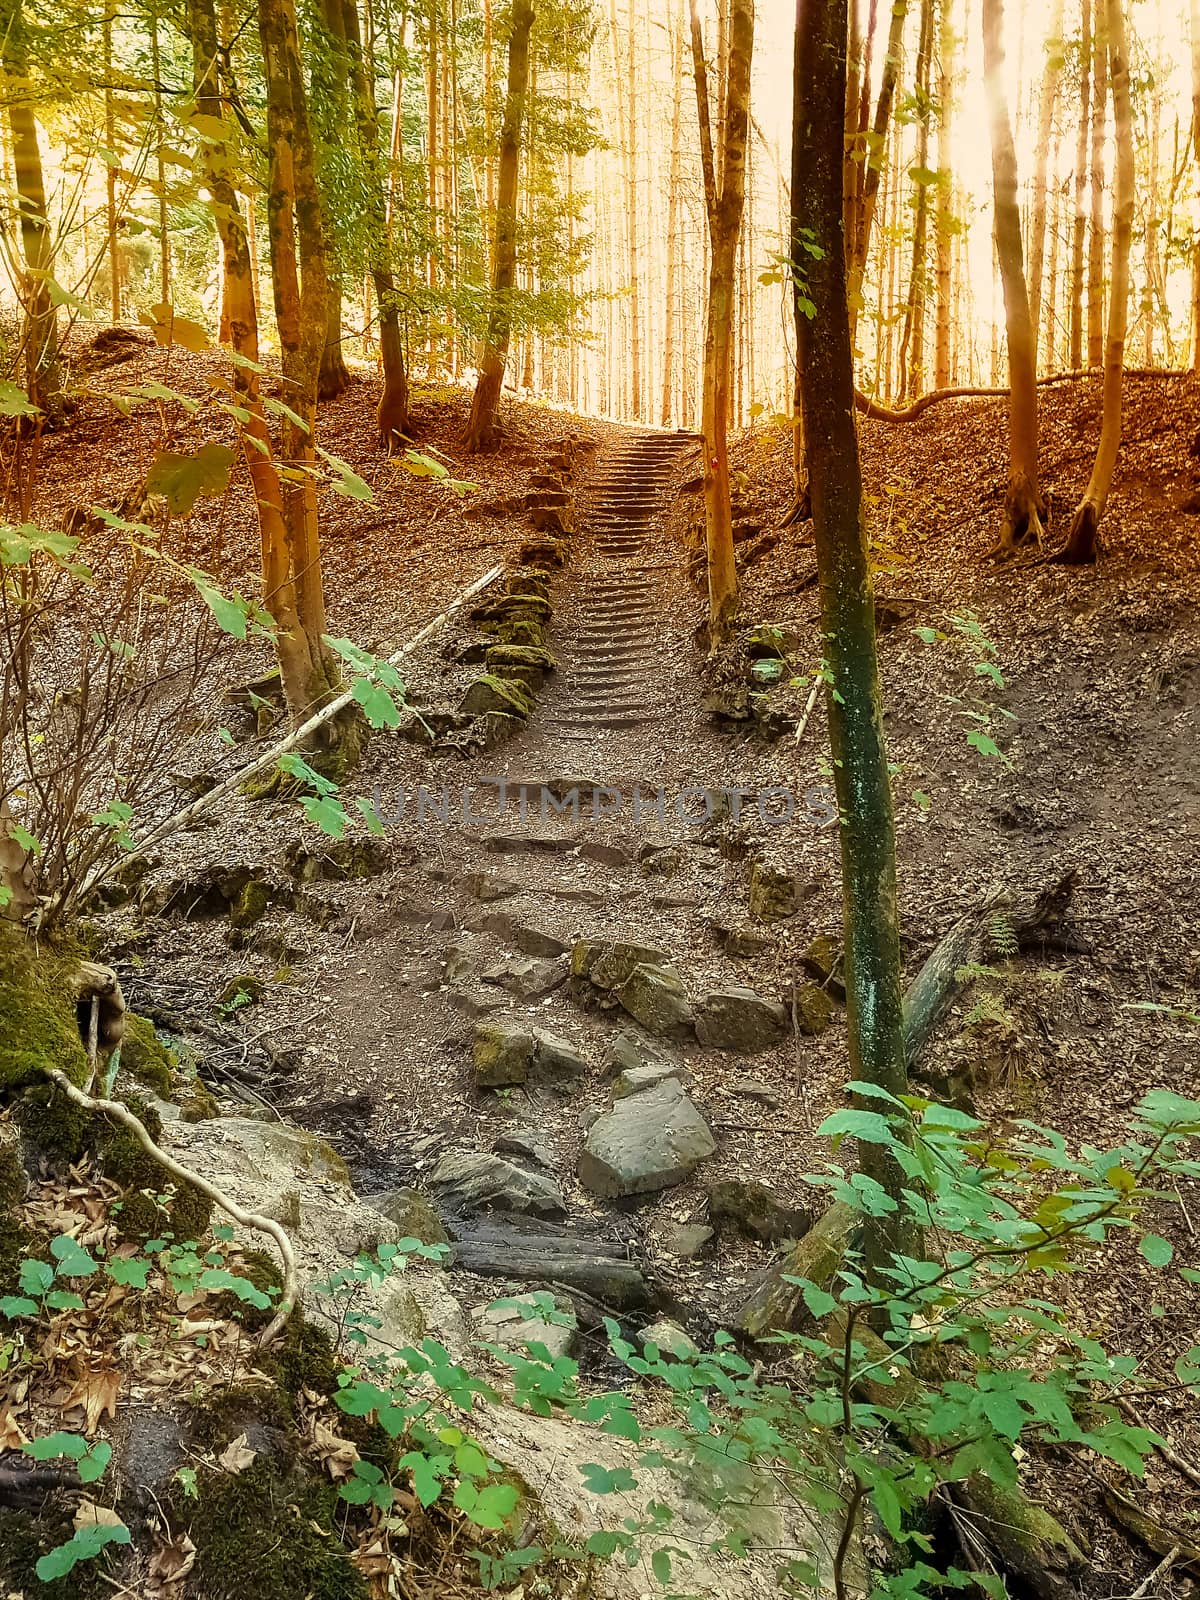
411, 1212
474, 1002
670, 1338
766, 673
503, 1055
635, 1079
655, 997
473, 1180
742, 942
608, 855
505, 1325
823, 960
251, 904
690, 1240
557, 1060
812, 1008
664, 862
752, 1209
648, 1141
755, 1089
526, 976
629, 1050
489, 886
527, 1147
738, 1019
773, 893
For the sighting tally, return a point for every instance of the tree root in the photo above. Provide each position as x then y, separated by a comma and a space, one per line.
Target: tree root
1149, 1531
245, 1219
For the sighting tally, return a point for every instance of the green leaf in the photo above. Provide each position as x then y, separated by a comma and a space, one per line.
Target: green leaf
85, 1545
16, 1305
347, 482
600, 1480
488, 1507
868, 1126
327, 812
296, 767
427, 1474
187, 1482
73, 1260
14, 402
220, 1278
370, 816
378, 706
181, 480
52, 1445
1157, 1250
35, 1277
660, 1565
93, 1465
987, 746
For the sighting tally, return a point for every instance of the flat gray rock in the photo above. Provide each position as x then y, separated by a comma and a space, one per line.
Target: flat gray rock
648, 1141
473, 1180
655, 997
738, 1019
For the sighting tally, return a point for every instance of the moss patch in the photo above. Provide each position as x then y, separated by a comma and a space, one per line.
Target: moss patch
38, 1025
145, 1057
25, 1537
268, 1532
143, 1215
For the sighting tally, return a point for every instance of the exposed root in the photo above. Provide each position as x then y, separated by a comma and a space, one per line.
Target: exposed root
1080, 549
245, 1219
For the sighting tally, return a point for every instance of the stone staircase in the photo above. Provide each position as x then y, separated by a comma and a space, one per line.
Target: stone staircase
608, 654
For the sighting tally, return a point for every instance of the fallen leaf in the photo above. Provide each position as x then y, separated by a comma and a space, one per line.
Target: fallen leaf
96, 1391
236, 1457
11, 1437
335, 1454
88, 1514
172, 1561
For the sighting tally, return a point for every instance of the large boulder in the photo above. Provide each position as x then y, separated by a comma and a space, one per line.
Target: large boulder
648, 1141
413, 1215
737, 1019
492, 693
655, 997
474, 1180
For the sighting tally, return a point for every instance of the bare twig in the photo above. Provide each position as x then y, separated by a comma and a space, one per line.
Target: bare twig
93, 1041
1129, 1411
808, 709
245, 1219
271, 755
1165, 1565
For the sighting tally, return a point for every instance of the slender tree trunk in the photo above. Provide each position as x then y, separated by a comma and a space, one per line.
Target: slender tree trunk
1081, 543
876, 154
1095, 296
912, 376
1195, 130
1047, 97
164, 235
670, 315
330, 77
1024, 508
482, 432
854, 699
393, 402
724, 190
1050, 320
1080, 221
110, 174
632, 203
944, 218
1151, 233
43, 375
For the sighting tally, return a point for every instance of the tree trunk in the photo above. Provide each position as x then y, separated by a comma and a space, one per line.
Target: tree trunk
875, 158
724, 194
1195, 252
1081, 543
1081, 148
43, 379
1046, 103
1095, 295
912, 374
393, 402
1024, 508
482, 432
110, 173
861, 779
670, 315
160, 133
331, 72
944, 218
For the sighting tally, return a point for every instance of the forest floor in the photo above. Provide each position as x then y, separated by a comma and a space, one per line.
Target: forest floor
1094, 711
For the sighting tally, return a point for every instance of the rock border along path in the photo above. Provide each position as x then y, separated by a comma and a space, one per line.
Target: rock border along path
608, 677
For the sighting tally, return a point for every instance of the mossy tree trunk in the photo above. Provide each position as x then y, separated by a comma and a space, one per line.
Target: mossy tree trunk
43, 377
482, 433
1024, 507
861, 779
1081, 542
724, 167
330, 81
858, 248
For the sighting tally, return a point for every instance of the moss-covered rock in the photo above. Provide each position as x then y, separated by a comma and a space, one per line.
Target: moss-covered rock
270, 1532
242, 989
519, 631
503, 658
251, 904
145, 1057
336, 860
153, 1204
39, 1029
490, 693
